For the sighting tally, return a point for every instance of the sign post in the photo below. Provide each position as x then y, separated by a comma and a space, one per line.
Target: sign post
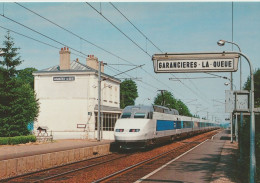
210, 62
195, 62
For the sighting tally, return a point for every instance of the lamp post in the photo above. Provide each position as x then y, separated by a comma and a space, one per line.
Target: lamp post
252, 121
222, 43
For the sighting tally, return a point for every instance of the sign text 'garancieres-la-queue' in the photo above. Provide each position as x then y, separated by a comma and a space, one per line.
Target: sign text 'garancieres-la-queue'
195, 65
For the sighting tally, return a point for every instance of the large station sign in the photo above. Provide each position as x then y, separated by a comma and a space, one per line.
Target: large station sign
195, 62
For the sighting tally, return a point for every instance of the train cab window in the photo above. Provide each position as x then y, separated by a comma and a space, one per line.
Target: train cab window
139, 115
126, 115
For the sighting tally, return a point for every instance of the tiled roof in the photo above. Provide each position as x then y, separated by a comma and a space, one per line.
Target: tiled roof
74, 66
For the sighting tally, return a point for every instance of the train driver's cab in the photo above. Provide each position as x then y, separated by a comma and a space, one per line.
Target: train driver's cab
137, 112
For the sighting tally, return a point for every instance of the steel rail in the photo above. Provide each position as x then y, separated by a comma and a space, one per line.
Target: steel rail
78, 169
53, 168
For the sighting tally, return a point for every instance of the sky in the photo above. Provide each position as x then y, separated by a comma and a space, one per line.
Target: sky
173, 27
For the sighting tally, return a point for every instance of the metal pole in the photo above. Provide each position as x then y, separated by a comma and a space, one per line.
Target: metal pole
252, 132
231, 114
99, 99
240, 136
231, 77
236, 127
102, 122
252, 124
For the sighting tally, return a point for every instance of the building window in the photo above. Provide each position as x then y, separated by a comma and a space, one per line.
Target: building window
108, 120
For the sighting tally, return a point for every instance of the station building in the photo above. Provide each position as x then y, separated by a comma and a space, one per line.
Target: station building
68, 98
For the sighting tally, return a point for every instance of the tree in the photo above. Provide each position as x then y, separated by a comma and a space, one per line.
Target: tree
18, 104
128, 93
168, 100
26, 76
10, 62
245, 135
247, 86
183, 109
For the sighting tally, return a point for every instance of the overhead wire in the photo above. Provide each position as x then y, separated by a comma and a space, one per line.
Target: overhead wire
185, 85
59, 48
142, 35
41, 34
87, 40
152, 86
129, 70
132, 42
119, 30
36, 40
44, 36
136, 28
84, 39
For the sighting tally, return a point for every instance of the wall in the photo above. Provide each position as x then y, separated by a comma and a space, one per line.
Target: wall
66, 104
22, 165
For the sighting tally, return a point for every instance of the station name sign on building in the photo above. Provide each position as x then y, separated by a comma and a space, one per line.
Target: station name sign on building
64, 78
195, 62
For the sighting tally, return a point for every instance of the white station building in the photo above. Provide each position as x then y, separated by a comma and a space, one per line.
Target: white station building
68, 98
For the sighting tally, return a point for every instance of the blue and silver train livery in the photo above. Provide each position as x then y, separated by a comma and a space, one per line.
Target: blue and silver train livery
142, 126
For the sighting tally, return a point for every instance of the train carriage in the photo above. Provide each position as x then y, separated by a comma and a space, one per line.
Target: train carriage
142, 126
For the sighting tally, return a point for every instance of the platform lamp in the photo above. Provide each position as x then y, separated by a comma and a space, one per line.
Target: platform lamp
252, 117
222, 43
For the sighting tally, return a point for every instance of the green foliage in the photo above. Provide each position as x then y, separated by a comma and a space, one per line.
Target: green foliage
245, 133
128, 93
168, 100
17, 140
26, 76
183, 109
10, 59
247, 86
18, 104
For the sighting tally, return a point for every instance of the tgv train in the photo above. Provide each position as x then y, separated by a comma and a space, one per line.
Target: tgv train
143, 126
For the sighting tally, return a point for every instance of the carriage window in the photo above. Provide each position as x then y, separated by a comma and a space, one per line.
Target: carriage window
126, 115
139, 115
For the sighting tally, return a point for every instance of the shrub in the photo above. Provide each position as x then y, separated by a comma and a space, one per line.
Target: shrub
4, 140
17, 140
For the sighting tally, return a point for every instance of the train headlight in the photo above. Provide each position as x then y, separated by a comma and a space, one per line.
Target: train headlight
119, 130
134, 130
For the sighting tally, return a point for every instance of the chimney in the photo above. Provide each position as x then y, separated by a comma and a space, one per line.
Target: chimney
64, 59
92, 62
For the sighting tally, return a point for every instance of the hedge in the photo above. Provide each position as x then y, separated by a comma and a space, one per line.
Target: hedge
17, 140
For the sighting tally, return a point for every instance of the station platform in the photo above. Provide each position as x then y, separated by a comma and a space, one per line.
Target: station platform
22, 150
25, 158
211, 162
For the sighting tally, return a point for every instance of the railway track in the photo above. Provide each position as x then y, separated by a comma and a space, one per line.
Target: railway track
115, 167
139, 170
63, 170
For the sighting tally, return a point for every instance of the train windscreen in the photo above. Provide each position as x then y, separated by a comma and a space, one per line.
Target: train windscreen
126, 115
139, 115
